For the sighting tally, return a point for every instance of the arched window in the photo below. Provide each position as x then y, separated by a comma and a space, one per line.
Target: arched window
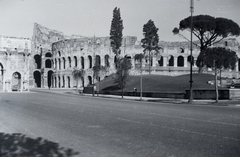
82, 62
171, 61
59, 62
48, 63
160, 61
98, 60
180, 61
48, 54
64, 63
107, 64
38, 61
89, 80
37, 78
189, 60
69, 61
75, 60
90, 61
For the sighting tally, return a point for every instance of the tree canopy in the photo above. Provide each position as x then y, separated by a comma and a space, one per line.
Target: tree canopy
209, 30
116, 31
123, 72
78, 74
219, 58
150, 40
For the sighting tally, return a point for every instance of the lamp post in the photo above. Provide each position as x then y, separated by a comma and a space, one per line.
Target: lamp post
191, 64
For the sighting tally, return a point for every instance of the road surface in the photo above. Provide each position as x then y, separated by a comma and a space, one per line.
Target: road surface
48, 124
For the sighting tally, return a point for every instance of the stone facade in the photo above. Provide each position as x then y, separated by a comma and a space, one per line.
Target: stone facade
59, 55
48, 60
14, 63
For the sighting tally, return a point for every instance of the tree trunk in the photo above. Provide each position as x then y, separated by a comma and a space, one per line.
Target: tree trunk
149, 59
216, 86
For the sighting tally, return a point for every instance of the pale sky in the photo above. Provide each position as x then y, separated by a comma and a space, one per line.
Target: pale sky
93, 17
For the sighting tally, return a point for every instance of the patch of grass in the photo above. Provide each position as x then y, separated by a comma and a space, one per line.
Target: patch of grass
160, 83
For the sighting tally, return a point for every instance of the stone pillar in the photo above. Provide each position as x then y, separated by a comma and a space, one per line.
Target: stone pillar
102, 61
3, 79
185, 61
165, 61
194, 63
236, 68
175, 61
154, 61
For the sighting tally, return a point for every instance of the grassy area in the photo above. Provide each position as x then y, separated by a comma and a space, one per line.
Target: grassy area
159, 83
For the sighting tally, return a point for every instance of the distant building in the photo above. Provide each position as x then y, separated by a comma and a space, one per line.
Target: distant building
49, 59
14, 63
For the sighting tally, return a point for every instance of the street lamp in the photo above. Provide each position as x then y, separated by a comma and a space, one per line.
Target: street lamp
191, 64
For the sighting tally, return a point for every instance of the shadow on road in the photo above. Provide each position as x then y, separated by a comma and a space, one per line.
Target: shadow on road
19, 145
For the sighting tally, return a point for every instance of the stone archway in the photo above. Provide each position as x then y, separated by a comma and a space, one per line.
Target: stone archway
48, 63
37, 78
38, 61
69, 82
180, 61
89, 80
16, 81
49, 78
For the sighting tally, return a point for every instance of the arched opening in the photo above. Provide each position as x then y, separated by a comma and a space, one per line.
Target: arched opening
189, 60
171, 61
82, 62
98, 60
238, 64
82, 82
59, 82
89, 80
160, 61
180, 61
59, 53
63, 78
38, 61
69, 62
59, 62
75, 60
56, 63
69, 82
48, 54
107, 64
90, 61
1, 77
48, 63
37, 78
49, 78
55, 81
16, 81
64, 63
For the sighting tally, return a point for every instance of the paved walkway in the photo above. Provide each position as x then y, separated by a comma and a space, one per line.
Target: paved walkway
163, 100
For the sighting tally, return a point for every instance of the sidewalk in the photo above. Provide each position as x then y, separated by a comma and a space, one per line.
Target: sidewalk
72, 91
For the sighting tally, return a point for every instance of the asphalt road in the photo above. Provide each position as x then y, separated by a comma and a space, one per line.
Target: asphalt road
48, 124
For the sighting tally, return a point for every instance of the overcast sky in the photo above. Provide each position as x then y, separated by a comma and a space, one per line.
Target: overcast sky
93, 17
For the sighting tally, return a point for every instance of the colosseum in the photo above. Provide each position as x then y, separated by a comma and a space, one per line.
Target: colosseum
50, 57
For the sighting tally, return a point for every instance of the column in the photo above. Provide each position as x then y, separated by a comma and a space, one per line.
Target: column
175, 61
165, 61
154, 61
185, 62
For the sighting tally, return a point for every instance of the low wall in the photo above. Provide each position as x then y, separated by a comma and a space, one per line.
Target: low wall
208, 94
234, 93
175, 95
